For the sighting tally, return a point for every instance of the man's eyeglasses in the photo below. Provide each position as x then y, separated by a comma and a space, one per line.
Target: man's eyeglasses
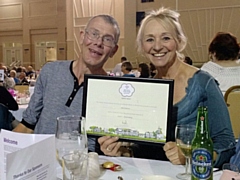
94, 35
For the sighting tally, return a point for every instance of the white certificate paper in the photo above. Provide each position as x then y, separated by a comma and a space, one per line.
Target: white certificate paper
27, 156
129, 109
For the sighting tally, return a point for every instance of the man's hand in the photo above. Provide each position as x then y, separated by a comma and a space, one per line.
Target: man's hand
22, 129
173, 153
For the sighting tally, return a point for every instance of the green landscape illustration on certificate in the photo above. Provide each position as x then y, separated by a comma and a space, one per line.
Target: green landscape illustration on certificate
130, 110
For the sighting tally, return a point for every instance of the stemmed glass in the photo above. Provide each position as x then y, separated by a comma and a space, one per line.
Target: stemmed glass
184, 137
75, 163
70, 136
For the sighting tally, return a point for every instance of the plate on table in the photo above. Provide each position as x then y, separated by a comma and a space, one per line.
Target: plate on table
156, 177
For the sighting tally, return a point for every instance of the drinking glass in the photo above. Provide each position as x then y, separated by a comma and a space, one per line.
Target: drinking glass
184, 137
70, 136
26, 93
76, 164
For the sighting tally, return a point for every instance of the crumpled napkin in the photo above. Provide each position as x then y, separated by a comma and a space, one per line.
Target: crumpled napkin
229, 175
93, 166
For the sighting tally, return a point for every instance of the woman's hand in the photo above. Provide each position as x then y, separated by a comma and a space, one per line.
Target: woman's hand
173, 153
109, 145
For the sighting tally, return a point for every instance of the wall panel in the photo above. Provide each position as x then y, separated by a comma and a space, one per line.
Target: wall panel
200, 26
43, 22
43, 8
11, 11
9, 25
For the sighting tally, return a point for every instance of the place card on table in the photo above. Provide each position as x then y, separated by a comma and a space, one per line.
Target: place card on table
1, 75
27, 156
134, 109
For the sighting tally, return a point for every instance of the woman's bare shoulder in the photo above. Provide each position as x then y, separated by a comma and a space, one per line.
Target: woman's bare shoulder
189, 71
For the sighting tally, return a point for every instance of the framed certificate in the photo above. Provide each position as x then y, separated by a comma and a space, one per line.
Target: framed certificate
134, 109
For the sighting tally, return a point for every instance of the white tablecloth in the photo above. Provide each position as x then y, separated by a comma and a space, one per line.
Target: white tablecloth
18, 114
134, 168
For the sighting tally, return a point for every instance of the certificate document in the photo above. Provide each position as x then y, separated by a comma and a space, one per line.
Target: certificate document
131, 108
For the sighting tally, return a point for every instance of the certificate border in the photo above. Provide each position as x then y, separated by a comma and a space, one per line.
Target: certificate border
170, 121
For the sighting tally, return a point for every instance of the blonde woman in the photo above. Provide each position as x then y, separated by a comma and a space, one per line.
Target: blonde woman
161, 40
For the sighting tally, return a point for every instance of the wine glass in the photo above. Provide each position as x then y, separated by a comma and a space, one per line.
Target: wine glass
76, 164
184, 137
70, 136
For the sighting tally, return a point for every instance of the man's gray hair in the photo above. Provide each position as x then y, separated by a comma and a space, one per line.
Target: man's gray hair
110, 20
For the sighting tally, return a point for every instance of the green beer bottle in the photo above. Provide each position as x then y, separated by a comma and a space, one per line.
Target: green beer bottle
202, 148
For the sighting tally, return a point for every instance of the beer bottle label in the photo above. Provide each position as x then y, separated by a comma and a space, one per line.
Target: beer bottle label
201, 163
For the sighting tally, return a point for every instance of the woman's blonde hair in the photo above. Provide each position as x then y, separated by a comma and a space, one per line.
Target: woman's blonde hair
169, 20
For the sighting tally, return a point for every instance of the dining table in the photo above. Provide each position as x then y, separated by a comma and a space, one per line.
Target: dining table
132, 168
137, 168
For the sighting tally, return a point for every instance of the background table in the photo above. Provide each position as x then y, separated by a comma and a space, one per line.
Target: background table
18, 114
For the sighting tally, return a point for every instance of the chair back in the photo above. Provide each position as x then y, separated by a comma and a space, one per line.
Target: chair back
232, 98
21, 88
6, 118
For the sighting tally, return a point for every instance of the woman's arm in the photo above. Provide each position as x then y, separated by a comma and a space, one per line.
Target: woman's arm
219, 124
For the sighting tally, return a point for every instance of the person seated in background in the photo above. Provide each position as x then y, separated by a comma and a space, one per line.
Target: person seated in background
30, 72
19, 70
22, 79
224, 65
117, 69
153, 70
13, 74
161, 39
8, 82
144, 70
127, 69
187, 60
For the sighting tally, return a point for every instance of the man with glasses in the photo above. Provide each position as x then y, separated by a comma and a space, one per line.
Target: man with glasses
58, 90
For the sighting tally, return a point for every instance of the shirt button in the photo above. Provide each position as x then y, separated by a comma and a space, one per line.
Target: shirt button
75, 90
70, 98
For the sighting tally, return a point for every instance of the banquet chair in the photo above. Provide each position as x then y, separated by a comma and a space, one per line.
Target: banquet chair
6, 118
21, 88
232, 98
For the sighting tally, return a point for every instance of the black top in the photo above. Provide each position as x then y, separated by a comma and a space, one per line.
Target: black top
7, 100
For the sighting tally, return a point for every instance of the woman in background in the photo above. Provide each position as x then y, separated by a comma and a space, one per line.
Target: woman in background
153, 70
144, 70
224, 65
